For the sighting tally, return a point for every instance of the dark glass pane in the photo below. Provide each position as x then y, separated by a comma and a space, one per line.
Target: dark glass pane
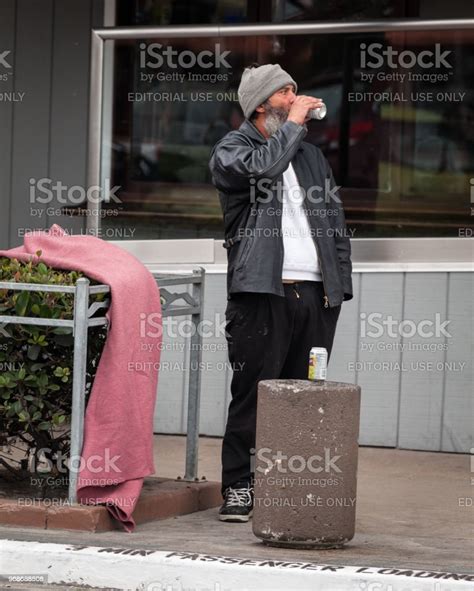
353, 10
399, 133
183, 12
180, 12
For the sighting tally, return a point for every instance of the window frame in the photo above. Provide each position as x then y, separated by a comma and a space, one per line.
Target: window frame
372, 253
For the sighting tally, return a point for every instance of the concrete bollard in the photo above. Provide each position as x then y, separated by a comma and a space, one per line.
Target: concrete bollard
306, 463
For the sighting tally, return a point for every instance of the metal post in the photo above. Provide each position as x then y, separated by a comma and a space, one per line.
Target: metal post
192, 436
80, 332
95, 127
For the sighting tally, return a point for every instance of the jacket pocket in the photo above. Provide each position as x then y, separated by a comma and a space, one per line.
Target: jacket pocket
230, 318
244, 252
235, 314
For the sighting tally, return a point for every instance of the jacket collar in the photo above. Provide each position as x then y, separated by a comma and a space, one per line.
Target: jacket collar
249, 129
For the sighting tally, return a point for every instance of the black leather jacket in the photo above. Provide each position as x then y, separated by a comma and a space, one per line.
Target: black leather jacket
247, 170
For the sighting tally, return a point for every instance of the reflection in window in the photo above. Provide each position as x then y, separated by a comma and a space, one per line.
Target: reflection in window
399, 135
180, 12
315, 10
183, 12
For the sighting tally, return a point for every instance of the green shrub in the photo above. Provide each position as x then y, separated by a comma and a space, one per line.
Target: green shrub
36, 364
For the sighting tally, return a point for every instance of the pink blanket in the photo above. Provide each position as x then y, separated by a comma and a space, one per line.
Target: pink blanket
118, 434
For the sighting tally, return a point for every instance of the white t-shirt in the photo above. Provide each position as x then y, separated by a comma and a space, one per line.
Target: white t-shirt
300, 259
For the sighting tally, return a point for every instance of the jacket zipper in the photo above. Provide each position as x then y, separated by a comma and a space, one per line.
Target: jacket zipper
325, 298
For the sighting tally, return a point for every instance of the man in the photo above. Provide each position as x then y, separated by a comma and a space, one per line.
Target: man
289, 265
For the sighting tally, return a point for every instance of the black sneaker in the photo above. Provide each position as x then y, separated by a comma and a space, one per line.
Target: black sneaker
238, 503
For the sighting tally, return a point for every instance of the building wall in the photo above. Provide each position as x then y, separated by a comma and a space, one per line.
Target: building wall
45, 134
409, 407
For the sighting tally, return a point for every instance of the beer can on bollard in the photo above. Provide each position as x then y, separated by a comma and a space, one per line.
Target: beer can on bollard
318, 362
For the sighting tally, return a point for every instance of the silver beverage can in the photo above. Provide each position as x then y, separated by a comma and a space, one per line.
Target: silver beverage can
318, 362
318, 113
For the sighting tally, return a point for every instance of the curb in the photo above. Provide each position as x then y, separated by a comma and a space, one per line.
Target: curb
160, 498
149, 570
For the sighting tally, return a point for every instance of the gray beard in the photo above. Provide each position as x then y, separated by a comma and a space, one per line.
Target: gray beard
275, 117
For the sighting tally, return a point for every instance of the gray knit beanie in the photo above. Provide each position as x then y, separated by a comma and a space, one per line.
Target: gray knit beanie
258, 84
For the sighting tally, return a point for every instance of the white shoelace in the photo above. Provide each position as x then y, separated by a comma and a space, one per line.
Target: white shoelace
240, 497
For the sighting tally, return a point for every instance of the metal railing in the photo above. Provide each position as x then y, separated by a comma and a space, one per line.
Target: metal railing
194, 308
81, 322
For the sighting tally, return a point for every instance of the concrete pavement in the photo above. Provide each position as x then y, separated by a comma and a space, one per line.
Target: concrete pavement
414, 511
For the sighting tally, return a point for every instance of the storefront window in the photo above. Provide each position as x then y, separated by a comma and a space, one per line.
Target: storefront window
315, 10
399, 133
182, 12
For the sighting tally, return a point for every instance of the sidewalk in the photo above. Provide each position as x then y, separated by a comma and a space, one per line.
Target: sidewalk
412, 513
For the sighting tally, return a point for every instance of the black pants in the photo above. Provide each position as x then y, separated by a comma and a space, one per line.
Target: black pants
269, 337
